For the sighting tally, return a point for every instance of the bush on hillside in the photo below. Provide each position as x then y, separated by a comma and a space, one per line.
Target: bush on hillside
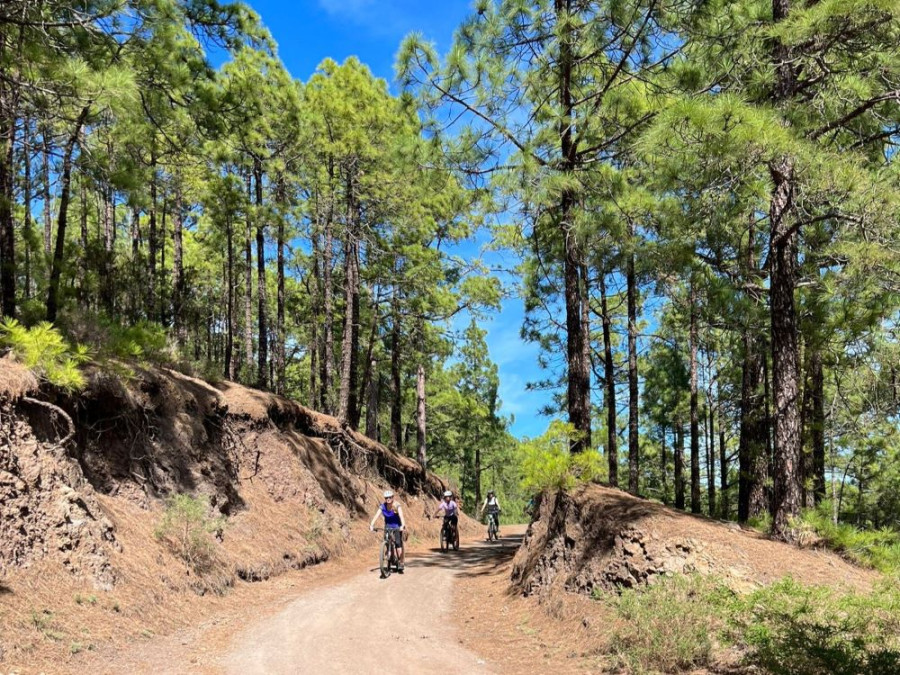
46, 352
791, 629
878, 548
187, 530
547, 463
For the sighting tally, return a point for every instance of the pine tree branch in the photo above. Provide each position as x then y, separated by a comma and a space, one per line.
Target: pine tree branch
856, 112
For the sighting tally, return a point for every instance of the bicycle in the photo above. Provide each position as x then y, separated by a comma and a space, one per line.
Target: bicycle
449, 536
493, 518
387, 555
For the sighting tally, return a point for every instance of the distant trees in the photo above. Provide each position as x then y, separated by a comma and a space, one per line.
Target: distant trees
713, 185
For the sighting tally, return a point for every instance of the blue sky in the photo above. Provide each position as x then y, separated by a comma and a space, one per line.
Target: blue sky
307, 32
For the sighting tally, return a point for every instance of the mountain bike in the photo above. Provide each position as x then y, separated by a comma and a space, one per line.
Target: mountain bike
493, 518
388, 560
449, 536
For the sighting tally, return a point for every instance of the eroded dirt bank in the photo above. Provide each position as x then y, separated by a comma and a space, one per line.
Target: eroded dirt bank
606, 539
80, 566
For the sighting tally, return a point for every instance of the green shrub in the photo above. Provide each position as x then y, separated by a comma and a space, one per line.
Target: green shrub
187, 530
670, 626
45, 351
793, 629
547, 463
879, 548
144, 341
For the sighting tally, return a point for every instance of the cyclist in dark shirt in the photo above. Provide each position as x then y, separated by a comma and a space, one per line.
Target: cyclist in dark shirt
491, 506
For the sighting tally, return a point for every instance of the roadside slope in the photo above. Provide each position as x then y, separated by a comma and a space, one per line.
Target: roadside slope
606, 539
81, 568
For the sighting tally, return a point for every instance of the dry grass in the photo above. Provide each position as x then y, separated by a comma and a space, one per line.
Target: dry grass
16, 380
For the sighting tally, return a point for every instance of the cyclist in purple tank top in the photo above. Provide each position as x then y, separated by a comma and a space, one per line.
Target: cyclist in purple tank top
393, 520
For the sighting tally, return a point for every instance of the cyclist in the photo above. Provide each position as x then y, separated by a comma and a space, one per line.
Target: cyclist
450, 509
393, 520
492, 507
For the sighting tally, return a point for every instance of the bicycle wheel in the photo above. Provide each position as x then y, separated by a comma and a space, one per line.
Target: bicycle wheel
455, 539
384, 560
445, 544
492, 530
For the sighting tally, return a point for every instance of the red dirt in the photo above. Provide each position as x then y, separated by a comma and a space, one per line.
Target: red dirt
604, 538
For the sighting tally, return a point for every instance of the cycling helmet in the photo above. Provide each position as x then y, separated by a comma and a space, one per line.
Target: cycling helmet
490, 492
388, 493
447, 493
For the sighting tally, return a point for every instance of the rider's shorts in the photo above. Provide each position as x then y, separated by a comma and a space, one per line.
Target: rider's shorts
397, 534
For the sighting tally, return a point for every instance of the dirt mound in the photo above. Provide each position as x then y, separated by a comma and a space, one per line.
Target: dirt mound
83, 486
605, 539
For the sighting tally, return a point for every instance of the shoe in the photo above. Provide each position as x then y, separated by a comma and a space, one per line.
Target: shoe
400, 570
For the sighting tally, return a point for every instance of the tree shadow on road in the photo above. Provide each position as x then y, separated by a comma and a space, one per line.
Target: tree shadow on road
473, 560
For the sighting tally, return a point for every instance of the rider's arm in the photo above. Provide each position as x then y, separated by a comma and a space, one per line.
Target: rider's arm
374, 518
440, 508
402, 519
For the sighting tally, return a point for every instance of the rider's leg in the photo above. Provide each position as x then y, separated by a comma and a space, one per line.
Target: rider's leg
399, 543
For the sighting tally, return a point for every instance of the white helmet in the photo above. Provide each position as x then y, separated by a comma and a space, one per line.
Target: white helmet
388, 493
447, 493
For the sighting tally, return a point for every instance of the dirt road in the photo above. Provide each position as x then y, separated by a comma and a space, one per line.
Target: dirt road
402, 624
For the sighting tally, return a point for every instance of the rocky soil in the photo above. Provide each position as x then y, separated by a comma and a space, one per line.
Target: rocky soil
606, 539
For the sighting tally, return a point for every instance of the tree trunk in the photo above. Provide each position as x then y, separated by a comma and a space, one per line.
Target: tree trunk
817, 381
695, 411
477, 476
369, 372
263, 344
230, 291
633, 438
372, 405
280, 356
679, 464
785, 348
312, 283
350, 344
578, 381
247, 375
83, 295
59, 250
45, 178
662, 463
609, 375
327, 361
163, 309
723, 465
26, 197
711, 457
178, 269
7, 230
152, 306
108, 285
420, 419
785, 353
397, 394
